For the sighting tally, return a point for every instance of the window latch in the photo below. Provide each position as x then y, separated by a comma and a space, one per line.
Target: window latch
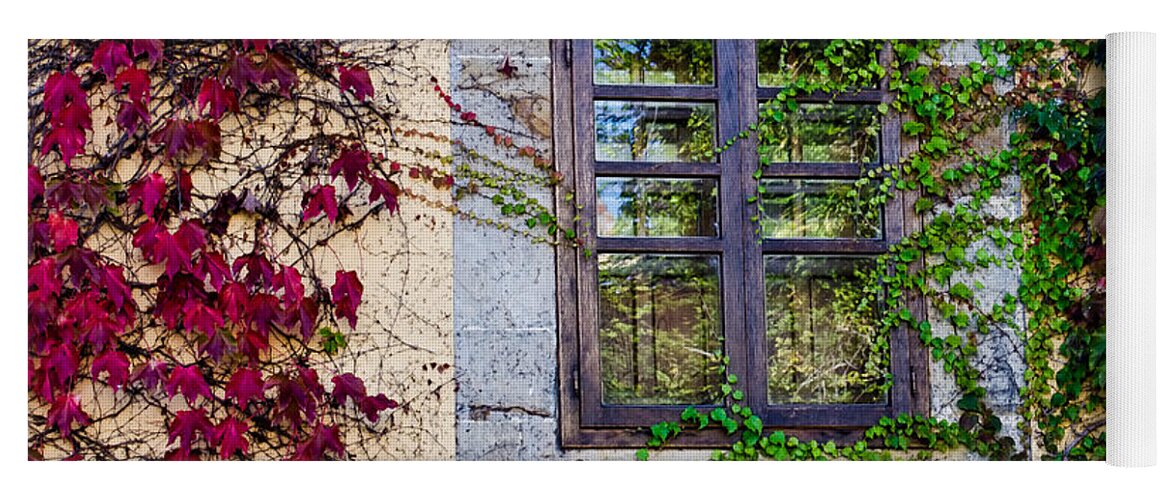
576, 383
914, 391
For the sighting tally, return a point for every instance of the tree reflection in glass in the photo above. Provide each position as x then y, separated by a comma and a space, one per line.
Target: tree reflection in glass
782, 62
653, 62
635, 206
812, 208
660, 328
654, 131
819, 133
823, 341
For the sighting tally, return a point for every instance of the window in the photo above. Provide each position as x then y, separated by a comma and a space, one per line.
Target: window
673, 280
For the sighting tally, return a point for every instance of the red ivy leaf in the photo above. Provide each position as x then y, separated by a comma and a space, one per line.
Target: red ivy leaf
152, 48
175, 250
239, 72
347, 295
290, 280
371, 406
324, 438
347, 385
278, 68
355, 79
213, 266
205, 136
245, 385
183, 180
306, 314
116, 288
259, 269
115, 364
63, 231
296, 397
353, 163
185, 425
217, 98
234, 300
197, 316
151, 374
175, 135
65, 412
131, 114
215, 346
229, 436
259, 46
36, 185
68, 131
385, 189
148, 191
43, 276
57, 369
137, 84
320, 198
264, 310
110, 56
63, 88
189, 381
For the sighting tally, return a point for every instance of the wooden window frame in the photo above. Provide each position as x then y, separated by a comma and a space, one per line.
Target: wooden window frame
584, 420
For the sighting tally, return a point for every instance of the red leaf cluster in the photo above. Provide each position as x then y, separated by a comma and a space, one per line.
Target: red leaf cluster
187, 136
175, 250
69, 115
325, 438
243, 70
348, 386
81, 307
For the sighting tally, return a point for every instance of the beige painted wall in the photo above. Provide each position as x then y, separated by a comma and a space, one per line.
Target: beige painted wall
403, 339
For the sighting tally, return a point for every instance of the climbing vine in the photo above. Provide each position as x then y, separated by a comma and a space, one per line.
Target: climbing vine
190, 208
1056, 152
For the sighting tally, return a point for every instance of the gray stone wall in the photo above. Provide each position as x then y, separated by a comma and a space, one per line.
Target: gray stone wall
1001, 355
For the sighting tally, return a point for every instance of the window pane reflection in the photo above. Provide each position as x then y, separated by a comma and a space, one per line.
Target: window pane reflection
653, 62
818, 209
659, 328
819, 133
783, 62
654, 131
632, 206
822, 333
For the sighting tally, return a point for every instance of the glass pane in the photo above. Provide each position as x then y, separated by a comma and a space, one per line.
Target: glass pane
659, 329
818, 209
819, 133
782, 62
821, 319
653, 62
630, 206
654, 131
